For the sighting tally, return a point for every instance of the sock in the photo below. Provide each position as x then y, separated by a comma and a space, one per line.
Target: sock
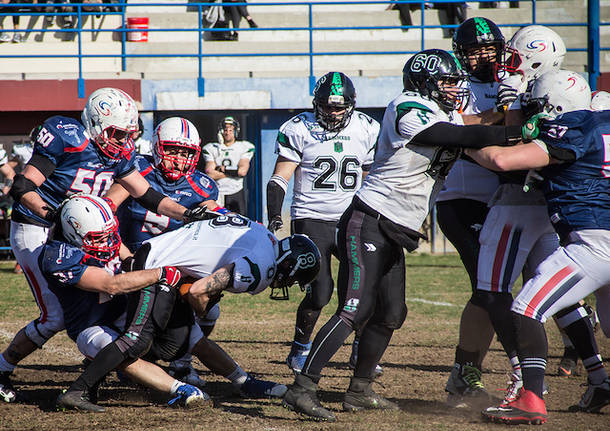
328, 340
464, 357
516, 365
105, 361
175, 386
595, 369
5, 365
373, 343
532, 346
238, 377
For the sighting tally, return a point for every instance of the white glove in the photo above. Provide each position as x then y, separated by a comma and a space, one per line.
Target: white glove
508, 91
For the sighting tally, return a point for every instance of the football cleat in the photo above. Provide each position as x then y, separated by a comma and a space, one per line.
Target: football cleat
190, 396
464, 387
297, 356
76, 400
567, 365
594, 399
527, 408
254, 388
360, 396
7, 391
302, 398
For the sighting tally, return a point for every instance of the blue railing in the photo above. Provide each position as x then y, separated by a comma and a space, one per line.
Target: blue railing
80, 13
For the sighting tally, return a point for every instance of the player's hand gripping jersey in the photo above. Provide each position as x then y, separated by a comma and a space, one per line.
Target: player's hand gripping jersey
405, 178
138, 224
198, 249
79, 167
330, 163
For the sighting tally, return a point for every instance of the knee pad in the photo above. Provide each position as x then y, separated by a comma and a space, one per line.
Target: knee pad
395, 316
320, 294
39, 333
93, 339
211, 317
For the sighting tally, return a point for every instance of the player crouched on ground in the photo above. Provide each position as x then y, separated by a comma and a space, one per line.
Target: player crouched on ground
225, 253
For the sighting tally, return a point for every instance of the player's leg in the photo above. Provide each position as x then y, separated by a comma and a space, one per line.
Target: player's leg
357, 280
27, 242
461, 221
602, 305
220, 362
318, 293
236, 202
390, 313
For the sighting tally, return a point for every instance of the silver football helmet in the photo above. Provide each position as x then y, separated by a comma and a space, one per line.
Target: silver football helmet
561, 91
176, 147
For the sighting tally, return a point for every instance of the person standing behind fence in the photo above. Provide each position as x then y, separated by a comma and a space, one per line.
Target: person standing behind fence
15, 37
236, 13
227, 162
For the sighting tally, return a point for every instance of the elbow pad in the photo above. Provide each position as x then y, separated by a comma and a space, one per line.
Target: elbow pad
151, 199
21, 186
276, 190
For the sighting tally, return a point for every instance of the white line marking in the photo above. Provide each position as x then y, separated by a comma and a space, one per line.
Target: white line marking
425, 301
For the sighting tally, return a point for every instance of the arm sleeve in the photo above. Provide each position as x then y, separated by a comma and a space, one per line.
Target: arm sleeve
445, 134
43, 164
276, 190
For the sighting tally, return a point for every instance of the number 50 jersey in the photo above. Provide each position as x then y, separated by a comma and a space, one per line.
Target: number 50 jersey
330, 165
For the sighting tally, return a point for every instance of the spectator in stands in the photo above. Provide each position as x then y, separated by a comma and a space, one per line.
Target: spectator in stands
15, 37
404, 12
236, 13
456, 13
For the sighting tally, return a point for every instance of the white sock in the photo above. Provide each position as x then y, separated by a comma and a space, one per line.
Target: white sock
238, 376
6, 366
514, 362
175, 386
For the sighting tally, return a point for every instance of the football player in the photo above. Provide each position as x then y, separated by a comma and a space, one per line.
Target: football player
70, 157
81, 264
227, 253
422, 135
169, 170
328, 151
461, 205
227, 162
571, 150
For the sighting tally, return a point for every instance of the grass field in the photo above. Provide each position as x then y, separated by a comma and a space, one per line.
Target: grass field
257, 332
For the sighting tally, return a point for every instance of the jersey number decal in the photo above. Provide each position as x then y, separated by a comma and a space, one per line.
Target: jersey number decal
155, 223
44, 137
232, 220
87, 181
606, 165
348, 174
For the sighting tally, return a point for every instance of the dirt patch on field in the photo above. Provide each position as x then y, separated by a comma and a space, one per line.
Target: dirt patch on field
416, 366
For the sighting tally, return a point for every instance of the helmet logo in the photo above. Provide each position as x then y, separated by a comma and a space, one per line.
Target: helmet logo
104, 108
483, 30
336, 87
307, 260
573, 81
425, 61
536, 45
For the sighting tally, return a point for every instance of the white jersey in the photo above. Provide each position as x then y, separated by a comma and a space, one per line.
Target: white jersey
3, 156
405, 178
229, 157
200, 248
330, 165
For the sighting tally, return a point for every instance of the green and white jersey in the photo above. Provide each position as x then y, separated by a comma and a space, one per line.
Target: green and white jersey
405, 178
229, 157
198, 249
330, 164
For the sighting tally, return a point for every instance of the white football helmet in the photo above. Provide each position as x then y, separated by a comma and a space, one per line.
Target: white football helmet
176, 147
600, 101
561, 91
111, 119
88, 223
532, 51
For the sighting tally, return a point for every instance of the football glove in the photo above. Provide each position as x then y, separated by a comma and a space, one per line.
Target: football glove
530, 129
170, 276
197, 214
275, 223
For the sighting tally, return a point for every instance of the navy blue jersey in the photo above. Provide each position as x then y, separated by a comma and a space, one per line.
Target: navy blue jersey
79, 166
63, 266
137, 224
578, 190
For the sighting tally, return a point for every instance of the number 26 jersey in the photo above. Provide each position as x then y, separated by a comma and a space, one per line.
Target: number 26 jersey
330, 164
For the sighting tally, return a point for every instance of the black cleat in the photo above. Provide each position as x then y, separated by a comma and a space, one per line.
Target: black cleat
594, 399
360, 396
78, 401
8, 394
301, 398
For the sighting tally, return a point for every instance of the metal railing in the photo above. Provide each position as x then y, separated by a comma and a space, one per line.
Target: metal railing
82, 10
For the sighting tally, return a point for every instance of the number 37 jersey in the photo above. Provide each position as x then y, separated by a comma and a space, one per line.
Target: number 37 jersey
330, 165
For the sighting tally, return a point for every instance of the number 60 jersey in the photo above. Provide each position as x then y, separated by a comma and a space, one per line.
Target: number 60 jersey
330, 164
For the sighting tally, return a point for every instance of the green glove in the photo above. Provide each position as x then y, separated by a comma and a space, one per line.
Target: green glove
530, 129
